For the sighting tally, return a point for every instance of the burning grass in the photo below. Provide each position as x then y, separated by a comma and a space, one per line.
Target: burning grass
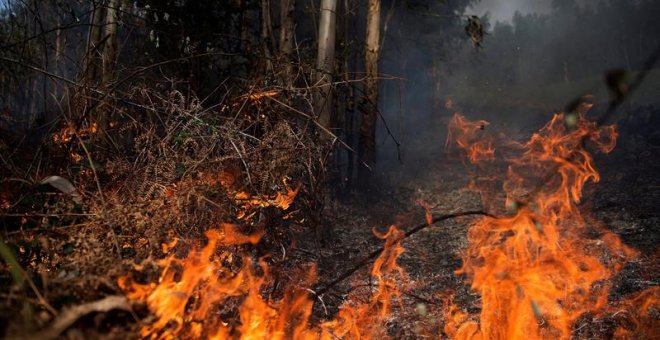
195, 220
189, 292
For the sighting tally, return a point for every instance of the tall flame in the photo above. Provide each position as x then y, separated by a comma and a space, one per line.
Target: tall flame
536, 270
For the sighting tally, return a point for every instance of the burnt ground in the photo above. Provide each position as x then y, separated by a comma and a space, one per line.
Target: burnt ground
626, 200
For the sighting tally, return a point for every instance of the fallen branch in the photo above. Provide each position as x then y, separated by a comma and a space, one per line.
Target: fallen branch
71, 315
373, 255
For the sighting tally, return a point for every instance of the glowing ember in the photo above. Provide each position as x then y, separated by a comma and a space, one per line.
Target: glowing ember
536, 271
259, 95
66, 134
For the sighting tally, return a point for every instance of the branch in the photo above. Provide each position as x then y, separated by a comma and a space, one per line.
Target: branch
69, 316
373, 255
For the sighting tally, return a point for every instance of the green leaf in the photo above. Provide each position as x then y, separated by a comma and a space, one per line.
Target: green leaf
7, 255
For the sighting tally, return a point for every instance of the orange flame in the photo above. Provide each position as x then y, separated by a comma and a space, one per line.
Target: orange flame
190, 290
427, 211
536, 271
66, 133
467, 136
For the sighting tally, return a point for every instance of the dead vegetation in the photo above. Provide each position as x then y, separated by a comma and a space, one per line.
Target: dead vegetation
163, 168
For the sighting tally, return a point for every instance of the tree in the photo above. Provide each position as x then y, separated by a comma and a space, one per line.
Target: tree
110, 36
325, 61
367, 140
287, 33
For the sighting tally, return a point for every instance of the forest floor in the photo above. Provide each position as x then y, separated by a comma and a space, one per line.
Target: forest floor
626, 200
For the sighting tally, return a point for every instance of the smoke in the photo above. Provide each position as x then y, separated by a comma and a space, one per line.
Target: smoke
540, 56
503, 10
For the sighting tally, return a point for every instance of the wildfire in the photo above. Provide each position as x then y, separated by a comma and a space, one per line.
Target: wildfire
536, 271
191, 292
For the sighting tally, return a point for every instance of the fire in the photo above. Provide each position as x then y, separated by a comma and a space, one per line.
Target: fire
282, 200
468, 136
190, 293
66, 133
248, 204
536, 270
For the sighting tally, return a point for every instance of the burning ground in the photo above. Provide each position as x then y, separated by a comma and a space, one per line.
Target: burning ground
566, 251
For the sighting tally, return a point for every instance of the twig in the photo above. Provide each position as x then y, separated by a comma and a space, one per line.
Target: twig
247, 169
91, 165
323, 128
378, 251
69, 316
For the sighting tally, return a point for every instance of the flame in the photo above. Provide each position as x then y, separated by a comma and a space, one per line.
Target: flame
365, 320
640, 313
189, 292
467, 136
281, 200
536, 271
247, 203
66, 133
427, 211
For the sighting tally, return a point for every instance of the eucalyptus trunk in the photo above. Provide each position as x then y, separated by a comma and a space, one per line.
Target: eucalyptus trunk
367, 141
325, 62
93, 39
110, 38
287, 34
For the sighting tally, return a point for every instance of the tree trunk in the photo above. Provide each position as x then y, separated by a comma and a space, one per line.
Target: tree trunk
110, 36
367, 142
93, 39
266, 35
349, 62
287, 33
325, 61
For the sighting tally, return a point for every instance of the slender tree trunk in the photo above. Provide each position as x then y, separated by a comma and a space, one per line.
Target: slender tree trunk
266, 35
325, 61
367, 142
59, 37
287, 33
110, 36
93, 39
349, 64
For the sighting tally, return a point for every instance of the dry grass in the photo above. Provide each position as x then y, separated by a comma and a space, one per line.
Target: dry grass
162, 167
